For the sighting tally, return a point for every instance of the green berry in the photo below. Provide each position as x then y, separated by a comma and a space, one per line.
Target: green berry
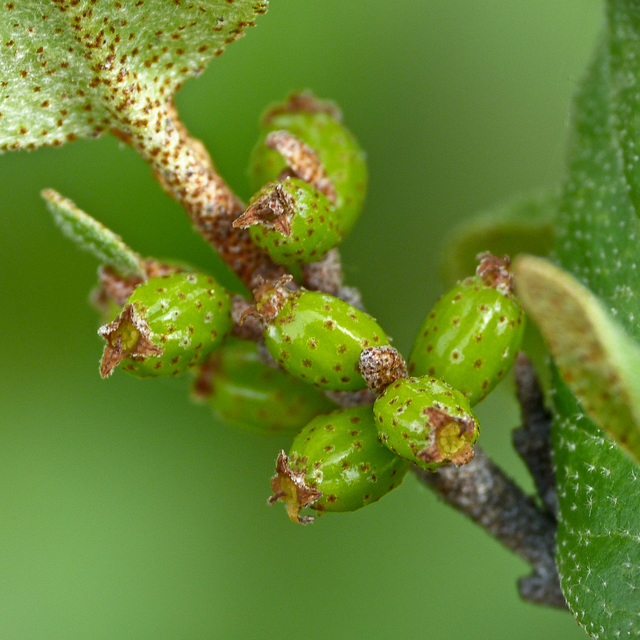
244, 392
473, 333
426, 421
336, 463
291, 221
169, 323
317, 123
318, 337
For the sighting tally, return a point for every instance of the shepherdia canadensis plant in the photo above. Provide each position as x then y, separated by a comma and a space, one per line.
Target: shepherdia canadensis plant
298, 353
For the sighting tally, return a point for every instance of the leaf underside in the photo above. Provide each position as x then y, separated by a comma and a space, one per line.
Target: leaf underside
598, 550
76, 68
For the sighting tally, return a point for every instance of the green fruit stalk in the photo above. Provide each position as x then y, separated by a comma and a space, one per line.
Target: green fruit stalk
426, 421
317, 123
291, 221
245, 393
336, 463
169, 323
472, 335
317, 337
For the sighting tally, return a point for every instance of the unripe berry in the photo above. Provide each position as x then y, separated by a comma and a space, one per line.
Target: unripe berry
292, 221
317, 123
472, 335
336, 463
244, 392
168, 324
317, 337
426, 421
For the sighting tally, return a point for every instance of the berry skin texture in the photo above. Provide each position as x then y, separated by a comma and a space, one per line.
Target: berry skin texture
319, 338
292, 222
169, 323
245, 393
336, 463
472, 335
426, 421
318, 123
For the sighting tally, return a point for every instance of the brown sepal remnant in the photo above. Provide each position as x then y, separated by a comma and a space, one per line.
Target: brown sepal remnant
246, 320
290, 487
324, 275
127, 336
494, 272
302, 102
270, 297
303, 161
452, 433
380, 366
274, 211
348, 399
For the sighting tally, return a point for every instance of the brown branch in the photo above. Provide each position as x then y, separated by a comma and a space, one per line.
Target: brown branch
483, 492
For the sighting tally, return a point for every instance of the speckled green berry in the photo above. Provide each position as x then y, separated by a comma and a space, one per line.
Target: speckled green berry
336, 463
426, 421
472, 335
319, 124
319, 338
245, 393
169, 323
291, 221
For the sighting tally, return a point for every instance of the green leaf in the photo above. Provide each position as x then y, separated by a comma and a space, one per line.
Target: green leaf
598, 552
76, 68
92, 236
596, 358
598, 231
521, 225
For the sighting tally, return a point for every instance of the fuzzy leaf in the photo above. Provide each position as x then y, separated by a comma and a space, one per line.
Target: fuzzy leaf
75, 68
522, 225
599, 530
91, 235
598, 231
596, 358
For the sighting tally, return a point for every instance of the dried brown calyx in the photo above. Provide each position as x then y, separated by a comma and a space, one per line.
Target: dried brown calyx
380, 366
451, 440
291, 487
127, 336
270, 297
274, 210
302, 161
494, 272
302, 102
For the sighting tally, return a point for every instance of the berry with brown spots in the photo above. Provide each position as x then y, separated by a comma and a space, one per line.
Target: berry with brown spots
472, 335
336, 463
168, 324
318, 337
318, 124
244, 392
292, 221
426, 421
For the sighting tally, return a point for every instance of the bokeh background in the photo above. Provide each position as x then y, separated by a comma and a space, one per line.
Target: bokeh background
125, 511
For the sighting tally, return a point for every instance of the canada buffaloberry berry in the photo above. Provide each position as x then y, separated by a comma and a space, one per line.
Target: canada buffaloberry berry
168, 324
292, 221
426, 421
472, 335
244, 392
319, 124
318, 337
336, 463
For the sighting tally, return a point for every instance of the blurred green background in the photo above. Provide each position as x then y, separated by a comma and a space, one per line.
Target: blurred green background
125, 512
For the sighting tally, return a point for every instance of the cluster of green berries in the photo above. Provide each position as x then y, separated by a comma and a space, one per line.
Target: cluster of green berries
313, 350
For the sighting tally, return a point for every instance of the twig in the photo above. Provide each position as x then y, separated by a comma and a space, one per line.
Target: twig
484, 493
532, 440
